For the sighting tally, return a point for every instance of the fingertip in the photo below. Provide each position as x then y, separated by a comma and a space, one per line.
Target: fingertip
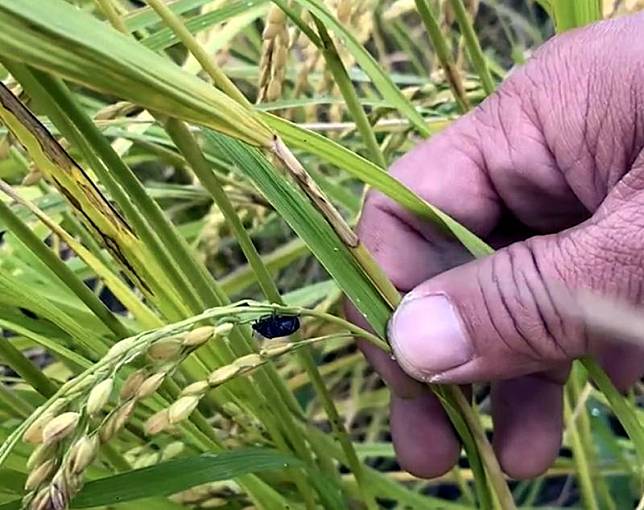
424, 441
521, 464
623, 362
400, 383
528, 421
428, 335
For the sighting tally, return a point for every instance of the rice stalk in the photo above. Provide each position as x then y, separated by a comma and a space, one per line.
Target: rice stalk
219, 78
475, 53
343, 83
89, 395
110, 12
587, 490
443, 53
73, 413
192, 394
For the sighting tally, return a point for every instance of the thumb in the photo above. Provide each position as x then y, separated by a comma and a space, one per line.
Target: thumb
493, 318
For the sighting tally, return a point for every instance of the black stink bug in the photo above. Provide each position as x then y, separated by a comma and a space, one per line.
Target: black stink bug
274, 325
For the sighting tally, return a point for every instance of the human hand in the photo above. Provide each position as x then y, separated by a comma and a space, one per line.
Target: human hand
552, 161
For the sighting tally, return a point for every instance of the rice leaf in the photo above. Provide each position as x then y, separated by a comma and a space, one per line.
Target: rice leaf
95, 210
174, 476
13, 292
145, 17
309, 225
569, 14
56, 37
374, 176
120, 290
178, 475
165, 37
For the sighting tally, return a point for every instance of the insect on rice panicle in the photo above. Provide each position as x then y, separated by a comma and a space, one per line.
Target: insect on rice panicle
274, 325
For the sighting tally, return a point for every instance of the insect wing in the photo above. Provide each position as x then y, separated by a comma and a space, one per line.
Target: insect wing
274, 326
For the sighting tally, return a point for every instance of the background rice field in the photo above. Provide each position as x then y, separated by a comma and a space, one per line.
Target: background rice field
173, 171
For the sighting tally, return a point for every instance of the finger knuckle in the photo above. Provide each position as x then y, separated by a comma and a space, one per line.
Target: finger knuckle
609, 253
522, 306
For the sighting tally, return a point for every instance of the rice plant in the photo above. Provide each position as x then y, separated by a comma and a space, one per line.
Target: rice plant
180, 181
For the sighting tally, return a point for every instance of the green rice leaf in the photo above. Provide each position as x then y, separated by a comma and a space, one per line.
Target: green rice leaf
146, 17
174, 476
56, 37
569, 14
165, 37
376, 177
309, 225
178, 475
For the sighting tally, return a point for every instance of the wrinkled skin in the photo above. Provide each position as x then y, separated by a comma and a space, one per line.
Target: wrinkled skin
549, 169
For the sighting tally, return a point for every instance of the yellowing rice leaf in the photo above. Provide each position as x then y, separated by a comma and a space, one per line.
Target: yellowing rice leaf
56, 37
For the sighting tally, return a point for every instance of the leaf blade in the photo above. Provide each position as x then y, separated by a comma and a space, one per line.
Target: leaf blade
70, 43
176, 475
374, 176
